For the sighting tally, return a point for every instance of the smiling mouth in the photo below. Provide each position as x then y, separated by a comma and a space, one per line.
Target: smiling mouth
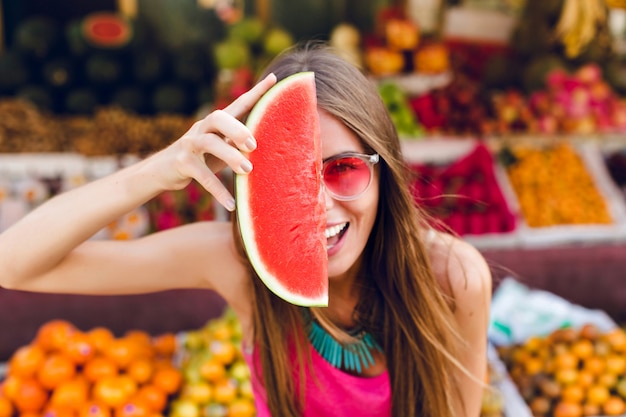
335, 233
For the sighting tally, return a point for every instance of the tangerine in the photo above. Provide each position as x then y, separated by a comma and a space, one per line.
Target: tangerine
133, 408
153, 396
56, 369
241, 408
98, 368
100, 338
110, 391
128, 384
122, 351
94, 409
10, 386
224, 391
165, 344
223, 351
563, 409
31, 396
598, 394
71, 394
573, 394
168, 378
212, 370
614, 406
52, 411
6, 407
26, 361
141, 370
79, 348
53, 335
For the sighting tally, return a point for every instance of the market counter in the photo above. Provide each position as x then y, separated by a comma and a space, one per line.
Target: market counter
591, 275
21, 313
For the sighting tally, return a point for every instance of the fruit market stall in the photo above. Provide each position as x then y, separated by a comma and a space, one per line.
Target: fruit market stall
511, 115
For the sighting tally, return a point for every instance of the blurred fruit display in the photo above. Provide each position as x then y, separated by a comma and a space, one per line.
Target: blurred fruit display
403, 117
216, 379
553, 186
571, 372
464, 195
65, 371
615, 161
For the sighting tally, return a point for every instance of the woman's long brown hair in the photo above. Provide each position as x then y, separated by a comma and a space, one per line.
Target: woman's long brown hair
402, 303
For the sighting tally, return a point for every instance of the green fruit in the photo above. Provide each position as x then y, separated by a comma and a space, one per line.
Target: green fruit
170, 98
231, 54
276, 41
249, 30
103, 68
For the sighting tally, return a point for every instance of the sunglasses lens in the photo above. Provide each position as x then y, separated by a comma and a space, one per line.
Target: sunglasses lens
347, 177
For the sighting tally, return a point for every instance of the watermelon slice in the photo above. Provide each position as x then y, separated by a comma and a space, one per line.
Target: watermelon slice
280, 204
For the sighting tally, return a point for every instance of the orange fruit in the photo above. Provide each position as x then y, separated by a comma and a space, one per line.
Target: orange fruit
79, 348
30, 396
26, 360
598, 394
94, 409
71, 394
121, 351
154, 397
139, 336
140, 370
224, 391
168, 378
223, 351
212, 370
563, 409
52, 411
129, 385
53, 335
6, 407
110, 391
98, 368
100, 338
199, 392
573, 394
614, 406
10, 386
133, 408
594, 364
56, 369
165, 344
241, 408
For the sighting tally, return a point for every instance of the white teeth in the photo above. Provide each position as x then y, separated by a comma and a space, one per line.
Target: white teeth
335, 230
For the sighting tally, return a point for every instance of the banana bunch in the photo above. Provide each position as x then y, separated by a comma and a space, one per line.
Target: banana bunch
578, 24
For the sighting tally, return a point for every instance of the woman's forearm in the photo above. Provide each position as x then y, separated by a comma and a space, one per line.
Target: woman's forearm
45, 236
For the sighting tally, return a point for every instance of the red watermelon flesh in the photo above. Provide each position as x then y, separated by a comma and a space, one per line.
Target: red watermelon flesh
280, 204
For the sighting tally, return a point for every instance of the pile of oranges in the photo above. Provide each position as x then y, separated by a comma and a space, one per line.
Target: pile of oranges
216, 379
571, 372
67, 372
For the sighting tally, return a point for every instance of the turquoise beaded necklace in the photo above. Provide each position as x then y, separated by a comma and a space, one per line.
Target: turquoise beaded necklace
354, 356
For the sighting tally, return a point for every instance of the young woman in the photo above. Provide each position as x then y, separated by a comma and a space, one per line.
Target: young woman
409, 305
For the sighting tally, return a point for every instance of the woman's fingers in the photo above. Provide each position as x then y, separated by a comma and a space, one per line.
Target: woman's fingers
220, 138
207, 179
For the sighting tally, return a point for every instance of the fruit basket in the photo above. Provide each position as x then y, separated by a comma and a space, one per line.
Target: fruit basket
562, 190
456, 183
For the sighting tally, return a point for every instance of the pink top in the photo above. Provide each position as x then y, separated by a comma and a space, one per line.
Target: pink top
332, 392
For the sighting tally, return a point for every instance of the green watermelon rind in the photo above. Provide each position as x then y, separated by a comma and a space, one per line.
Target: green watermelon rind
244, 216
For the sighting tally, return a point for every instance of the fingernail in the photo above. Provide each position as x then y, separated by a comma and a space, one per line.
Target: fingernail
250, 144
230, 204
246, 166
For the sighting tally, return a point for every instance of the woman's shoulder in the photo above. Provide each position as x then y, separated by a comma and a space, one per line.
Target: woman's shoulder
459, 267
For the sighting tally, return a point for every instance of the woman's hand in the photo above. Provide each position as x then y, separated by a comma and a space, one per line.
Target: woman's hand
218, 140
